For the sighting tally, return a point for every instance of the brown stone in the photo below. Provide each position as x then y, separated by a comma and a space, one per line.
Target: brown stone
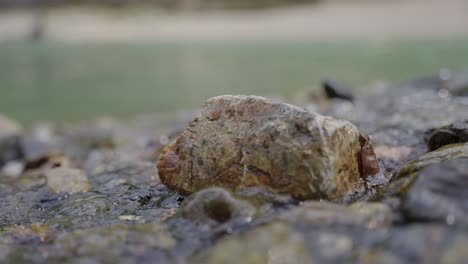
246, 141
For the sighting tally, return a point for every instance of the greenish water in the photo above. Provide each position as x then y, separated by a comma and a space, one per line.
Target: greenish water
80, 81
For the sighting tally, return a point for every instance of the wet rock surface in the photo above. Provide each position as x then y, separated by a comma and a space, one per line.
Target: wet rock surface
439, 193
285, 242
414, 211
247, 141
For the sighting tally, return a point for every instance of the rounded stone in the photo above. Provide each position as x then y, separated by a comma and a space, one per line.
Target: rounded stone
216, 206
248, 141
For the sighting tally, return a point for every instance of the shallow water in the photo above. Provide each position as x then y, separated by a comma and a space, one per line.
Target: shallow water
80, 81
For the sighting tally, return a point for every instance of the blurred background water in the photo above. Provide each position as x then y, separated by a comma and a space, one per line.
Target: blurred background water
59, 67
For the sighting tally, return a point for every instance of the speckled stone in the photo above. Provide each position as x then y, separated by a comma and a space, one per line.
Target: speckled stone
247, 141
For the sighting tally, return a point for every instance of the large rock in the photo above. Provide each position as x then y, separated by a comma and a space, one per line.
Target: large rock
247, 141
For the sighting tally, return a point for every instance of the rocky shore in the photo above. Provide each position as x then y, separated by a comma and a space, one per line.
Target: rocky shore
379, 177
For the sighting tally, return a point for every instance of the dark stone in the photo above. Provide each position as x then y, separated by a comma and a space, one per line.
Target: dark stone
454, 133
334, 89
439, 193
10, 149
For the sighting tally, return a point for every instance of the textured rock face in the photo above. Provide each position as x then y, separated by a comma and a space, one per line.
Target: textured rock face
247, 141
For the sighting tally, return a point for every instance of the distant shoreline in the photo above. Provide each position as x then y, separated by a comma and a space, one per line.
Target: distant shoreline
325, 21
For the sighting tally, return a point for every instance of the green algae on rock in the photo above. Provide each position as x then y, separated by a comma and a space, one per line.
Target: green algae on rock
247, 141
408, 174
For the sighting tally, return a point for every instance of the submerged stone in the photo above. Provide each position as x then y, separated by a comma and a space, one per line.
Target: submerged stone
216, 206
456, 132
67, 180
248, 141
